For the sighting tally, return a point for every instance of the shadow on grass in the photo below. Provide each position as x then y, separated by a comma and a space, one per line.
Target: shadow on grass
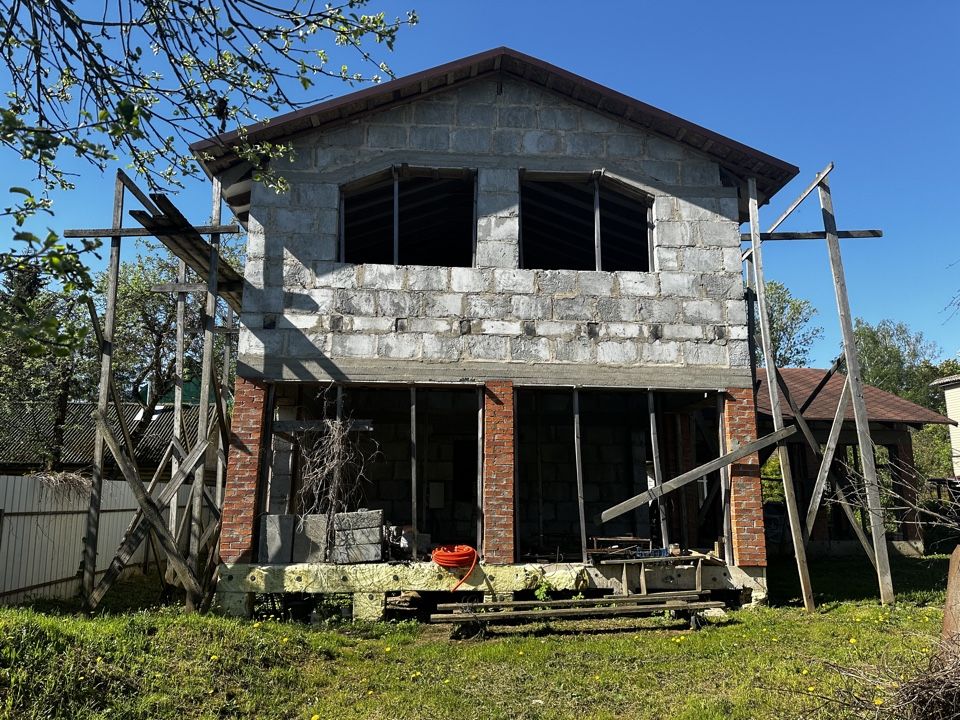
920, 580
609, 626
135, 592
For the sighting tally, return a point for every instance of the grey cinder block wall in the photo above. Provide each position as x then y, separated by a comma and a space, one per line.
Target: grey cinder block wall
308, 317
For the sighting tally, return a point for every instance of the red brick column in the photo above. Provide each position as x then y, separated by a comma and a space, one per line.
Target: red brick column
243, 471
746, 501
498, 480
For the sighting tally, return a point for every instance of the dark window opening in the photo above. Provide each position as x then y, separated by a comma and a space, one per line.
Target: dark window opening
591, 224
415, 217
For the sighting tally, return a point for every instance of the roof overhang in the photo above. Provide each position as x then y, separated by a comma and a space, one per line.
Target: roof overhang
218, 157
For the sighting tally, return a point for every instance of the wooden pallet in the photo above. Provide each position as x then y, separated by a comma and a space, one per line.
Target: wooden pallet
683, 602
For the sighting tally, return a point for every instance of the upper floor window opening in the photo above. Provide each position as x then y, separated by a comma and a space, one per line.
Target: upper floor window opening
580, 221
410, 216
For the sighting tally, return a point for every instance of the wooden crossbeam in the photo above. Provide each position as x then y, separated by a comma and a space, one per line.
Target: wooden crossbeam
150, 510
815, 235
222, 287
695, 474
823, 383
141, 232
826, 459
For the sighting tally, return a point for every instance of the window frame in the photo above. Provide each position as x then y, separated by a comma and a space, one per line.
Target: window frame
620, 184
393, 175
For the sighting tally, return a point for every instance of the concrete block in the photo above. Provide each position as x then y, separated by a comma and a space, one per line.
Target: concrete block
638, 284
702, 208
700, 172
487, 306
680, 284
429, 325
559, 118
487, 347
358, 519
666, 352
471, 140
584, 145
364, 346
738, 353
540, 142
666, 258
525, 349
426, 277
555, 328
722, 286
496, 204
356, 302
479, 115
431, 139
597, 123
574, 308
372, 324
399, 303
531, 307
625, 145
669, 233
507, 142
499, 327
736, 312
503, 180
704, 353
276, 539
556, 281
401, 346
470, 279
619, 330
357, 554
335, 275
731, 259
670, 331
667, 171
434, 113
381, 277
309, 301
387, 137
440, 348
661, 149
702, 259
729, 208
358, 536
310, 540
717, 233
499, 228
617, 309
611, 352
509, 280
578, 350
596, 283
517, 116
702, 312
497, 254
442, 304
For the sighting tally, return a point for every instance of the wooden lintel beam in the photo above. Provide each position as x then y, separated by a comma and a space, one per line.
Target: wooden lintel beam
697, 473
228, 286
142, 232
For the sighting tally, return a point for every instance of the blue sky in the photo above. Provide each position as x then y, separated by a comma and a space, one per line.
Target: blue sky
872, 86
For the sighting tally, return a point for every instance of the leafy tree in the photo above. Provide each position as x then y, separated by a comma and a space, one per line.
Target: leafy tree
791, 328
143, 78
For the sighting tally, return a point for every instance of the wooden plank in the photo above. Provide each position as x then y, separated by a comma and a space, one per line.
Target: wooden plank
578, 460
823, 383
223, 447
141, 232
150, 510
114, 393
815, 235
137, 530
502, 615
697, 473
724, 483
178, 386
857, 530
874, 505
826, 459
657, 469
589, 602
139, 194
91, 534
789, 491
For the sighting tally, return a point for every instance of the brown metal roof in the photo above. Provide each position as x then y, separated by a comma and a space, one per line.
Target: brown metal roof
881, 405
739, 159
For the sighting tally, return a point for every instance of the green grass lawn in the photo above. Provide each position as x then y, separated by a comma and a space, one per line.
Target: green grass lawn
757, 663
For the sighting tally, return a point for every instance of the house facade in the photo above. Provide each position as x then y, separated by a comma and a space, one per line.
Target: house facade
507, 271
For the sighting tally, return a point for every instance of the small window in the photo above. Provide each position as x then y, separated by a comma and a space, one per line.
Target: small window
410, 216
590, 222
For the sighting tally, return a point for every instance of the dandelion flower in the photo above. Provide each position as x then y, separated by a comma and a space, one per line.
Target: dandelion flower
878, 701
446, 681
387, 649
811, 688
804, 672
257, 624
315, 716
284, 639
214, 658
853, 641
596, 677
520, 652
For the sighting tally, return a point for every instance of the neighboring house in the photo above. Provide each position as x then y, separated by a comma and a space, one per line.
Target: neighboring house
893, 421
458, 252
951, 393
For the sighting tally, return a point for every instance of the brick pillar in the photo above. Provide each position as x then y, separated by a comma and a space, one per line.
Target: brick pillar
746, 501
243, 471
498, 480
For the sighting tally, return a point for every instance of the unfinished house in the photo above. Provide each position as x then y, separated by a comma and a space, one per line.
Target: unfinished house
524, 292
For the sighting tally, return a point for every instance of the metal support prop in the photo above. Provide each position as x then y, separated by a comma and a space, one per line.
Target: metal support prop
789, 492
579, 462
724, 484
103, 400
658, 470
854, 377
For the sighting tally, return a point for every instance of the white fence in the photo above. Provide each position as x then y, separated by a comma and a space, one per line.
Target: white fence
41, 536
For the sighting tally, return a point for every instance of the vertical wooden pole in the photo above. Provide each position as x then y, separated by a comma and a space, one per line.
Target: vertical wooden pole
657, 470
951, 607
855, 379
724, 484
789, 491
103, 399
578, 457
206, 377
413, 469
479, 467
222, 449
178, 385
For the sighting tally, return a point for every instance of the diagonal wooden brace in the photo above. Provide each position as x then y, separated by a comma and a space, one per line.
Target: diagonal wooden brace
697, 473
149, 508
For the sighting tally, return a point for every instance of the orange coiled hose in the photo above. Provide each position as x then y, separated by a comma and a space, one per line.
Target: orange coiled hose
456, 556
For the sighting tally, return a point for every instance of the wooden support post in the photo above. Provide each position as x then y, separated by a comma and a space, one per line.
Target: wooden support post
413, 469
480, 404
178, 383
874, 506
657, 469
827, 458
789, 491
596, 221
724, 484
578, 459
951, 607
223, 446
103, 400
